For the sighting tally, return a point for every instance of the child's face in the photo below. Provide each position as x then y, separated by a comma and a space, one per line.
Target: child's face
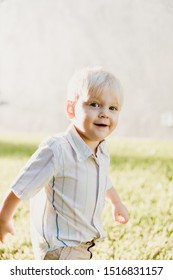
95, 117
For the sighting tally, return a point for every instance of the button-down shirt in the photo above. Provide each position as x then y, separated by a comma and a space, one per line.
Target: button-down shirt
66, 184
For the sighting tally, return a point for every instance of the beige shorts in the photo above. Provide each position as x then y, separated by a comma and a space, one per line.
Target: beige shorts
81, 252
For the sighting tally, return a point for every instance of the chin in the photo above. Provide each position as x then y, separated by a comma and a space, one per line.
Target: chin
98, 139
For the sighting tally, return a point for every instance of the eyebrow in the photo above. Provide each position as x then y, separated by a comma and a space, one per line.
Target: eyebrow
94, 99
91, 99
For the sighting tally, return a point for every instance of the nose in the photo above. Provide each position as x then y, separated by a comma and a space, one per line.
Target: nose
103, 114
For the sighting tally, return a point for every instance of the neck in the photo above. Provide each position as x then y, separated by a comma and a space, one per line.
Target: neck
93, 145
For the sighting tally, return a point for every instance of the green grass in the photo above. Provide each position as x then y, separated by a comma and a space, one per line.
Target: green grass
141, 171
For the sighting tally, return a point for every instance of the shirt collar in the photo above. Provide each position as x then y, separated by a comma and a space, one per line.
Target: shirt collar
81, 149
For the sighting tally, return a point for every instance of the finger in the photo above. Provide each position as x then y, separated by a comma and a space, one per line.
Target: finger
12, 231
120, 219
2, 239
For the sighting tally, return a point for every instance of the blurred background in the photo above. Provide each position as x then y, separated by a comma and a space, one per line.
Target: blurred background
42, 43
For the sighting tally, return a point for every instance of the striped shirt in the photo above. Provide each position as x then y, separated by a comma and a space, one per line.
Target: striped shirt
66, 185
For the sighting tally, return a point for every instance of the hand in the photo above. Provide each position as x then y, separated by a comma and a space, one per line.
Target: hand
7, 210
120, 213
5, 228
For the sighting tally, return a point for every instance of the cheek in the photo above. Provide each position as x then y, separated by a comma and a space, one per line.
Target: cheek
81, 118
80, 110
115, 121
84, 114
86, 122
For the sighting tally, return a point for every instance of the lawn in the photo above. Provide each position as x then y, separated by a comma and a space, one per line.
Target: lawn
141, 171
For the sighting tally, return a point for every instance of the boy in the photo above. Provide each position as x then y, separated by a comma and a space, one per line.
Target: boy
66, 179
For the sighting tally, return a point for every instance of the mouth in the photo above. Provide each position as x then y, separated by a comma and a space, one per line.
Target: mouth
101, 125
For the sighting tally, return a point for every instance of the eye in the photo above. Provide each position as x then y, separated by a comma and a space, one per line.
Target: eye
113, 108
94, 104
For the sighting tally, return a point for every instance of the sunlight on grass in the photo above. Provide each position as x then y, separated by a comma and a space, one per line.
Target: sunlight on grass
141, 171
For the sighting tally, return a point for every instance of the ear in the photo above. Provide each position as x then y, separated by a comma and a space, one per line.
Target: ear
70, 109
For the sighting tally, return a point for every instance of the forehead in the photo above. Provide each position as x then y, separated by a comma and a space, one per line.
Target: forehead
110, 94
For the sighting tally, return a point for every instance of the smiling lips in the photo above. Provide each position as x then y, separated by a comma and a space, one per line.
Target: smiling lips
101, 124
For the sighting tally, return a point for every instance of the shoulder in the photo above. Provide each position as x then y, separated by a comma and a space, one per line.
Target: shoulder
56, 143
61, 150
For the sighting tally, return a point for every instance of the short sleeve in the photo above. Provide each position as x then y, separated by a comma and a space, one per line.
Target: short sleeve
37, 172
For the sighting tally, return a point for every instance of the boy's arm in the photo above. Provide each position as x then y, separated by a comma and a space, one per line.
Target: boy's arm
119, 210
7, 210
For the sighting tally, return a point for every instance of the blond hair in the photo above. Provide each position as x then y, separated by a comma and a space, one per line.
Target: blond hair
93, 80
